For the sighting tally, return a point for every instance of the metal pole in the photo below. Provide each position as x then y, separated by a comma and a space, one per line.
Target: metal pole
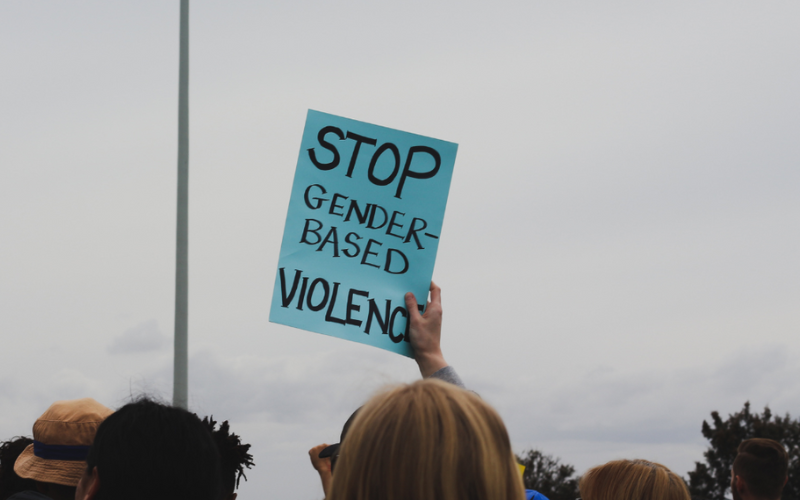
180, 384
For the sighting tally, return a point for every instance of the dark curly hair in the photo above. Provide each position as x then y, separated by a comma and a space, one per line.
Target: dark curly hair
10, 482
151, 450
234, 455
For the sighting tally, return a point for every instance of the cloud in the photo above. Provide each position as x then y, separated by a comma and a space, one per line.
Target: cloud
143, 337
309, 389
607, 412
657, 414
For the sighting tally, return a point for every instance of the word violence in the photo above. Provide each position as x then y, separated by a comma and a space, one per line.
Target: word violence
318, 294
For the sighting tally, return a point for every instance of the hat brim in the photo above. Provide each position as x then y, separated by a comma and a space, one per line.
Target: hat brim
64, 472
329, 451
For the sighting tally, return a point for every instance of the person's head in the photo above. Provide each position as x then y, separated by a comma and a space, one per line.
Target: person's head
150, 450
56, 458
632, 480
10, 482
427, 440
759, 470
234, 456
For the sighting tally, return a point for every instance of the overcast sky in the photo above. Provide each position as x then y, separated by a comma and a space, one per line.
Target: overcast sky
620, 251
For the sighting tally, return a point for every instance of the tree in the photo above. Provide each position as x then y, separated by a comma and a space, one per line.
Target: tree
546, 475
711, 480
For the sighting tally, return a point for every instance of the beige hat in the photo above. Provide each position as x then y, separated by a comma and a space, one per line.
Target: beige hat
61, 440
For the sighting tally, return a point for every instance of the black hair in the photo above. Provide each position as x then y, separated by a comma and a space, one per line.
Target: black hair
335, 449
763, 464
234, 456
151, 450
10, 482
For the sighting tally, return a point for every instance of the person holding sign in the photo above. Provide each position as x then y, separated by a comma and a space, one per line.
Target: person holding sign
425, 332
427, 440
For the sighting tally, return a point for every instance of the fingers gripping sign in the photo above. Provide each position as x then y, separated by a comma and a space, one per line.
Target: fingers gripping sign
425, 332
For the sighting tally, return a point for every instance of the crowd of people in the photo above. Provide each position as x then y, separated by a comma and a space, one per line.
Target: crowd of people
429, 440
146, 449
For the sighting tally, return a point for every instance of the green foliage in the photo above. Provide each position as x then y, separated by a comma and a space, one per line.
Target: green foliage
711, 480
546, 475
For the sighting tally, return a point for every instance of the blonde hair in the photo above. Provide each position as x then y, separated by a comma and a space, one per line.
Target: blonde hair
632, 480
428, 441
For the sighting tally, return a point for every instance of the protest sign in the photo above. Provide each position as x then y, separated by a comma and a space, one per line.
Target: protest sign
363, 228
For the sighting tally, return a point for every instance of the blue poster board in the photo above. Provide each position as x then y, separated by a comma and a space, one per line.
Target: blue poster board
363, 228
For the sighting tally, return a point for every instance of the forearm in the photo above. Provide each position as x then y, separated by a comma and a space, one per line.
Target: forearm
325, 477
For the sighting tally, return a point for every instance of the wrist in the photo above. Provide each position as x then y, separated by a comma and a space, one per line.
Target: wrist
430, 363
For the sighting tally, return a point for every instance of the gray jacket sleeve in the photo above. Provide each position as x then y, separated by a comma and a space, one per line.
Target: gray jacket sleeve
448, 374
